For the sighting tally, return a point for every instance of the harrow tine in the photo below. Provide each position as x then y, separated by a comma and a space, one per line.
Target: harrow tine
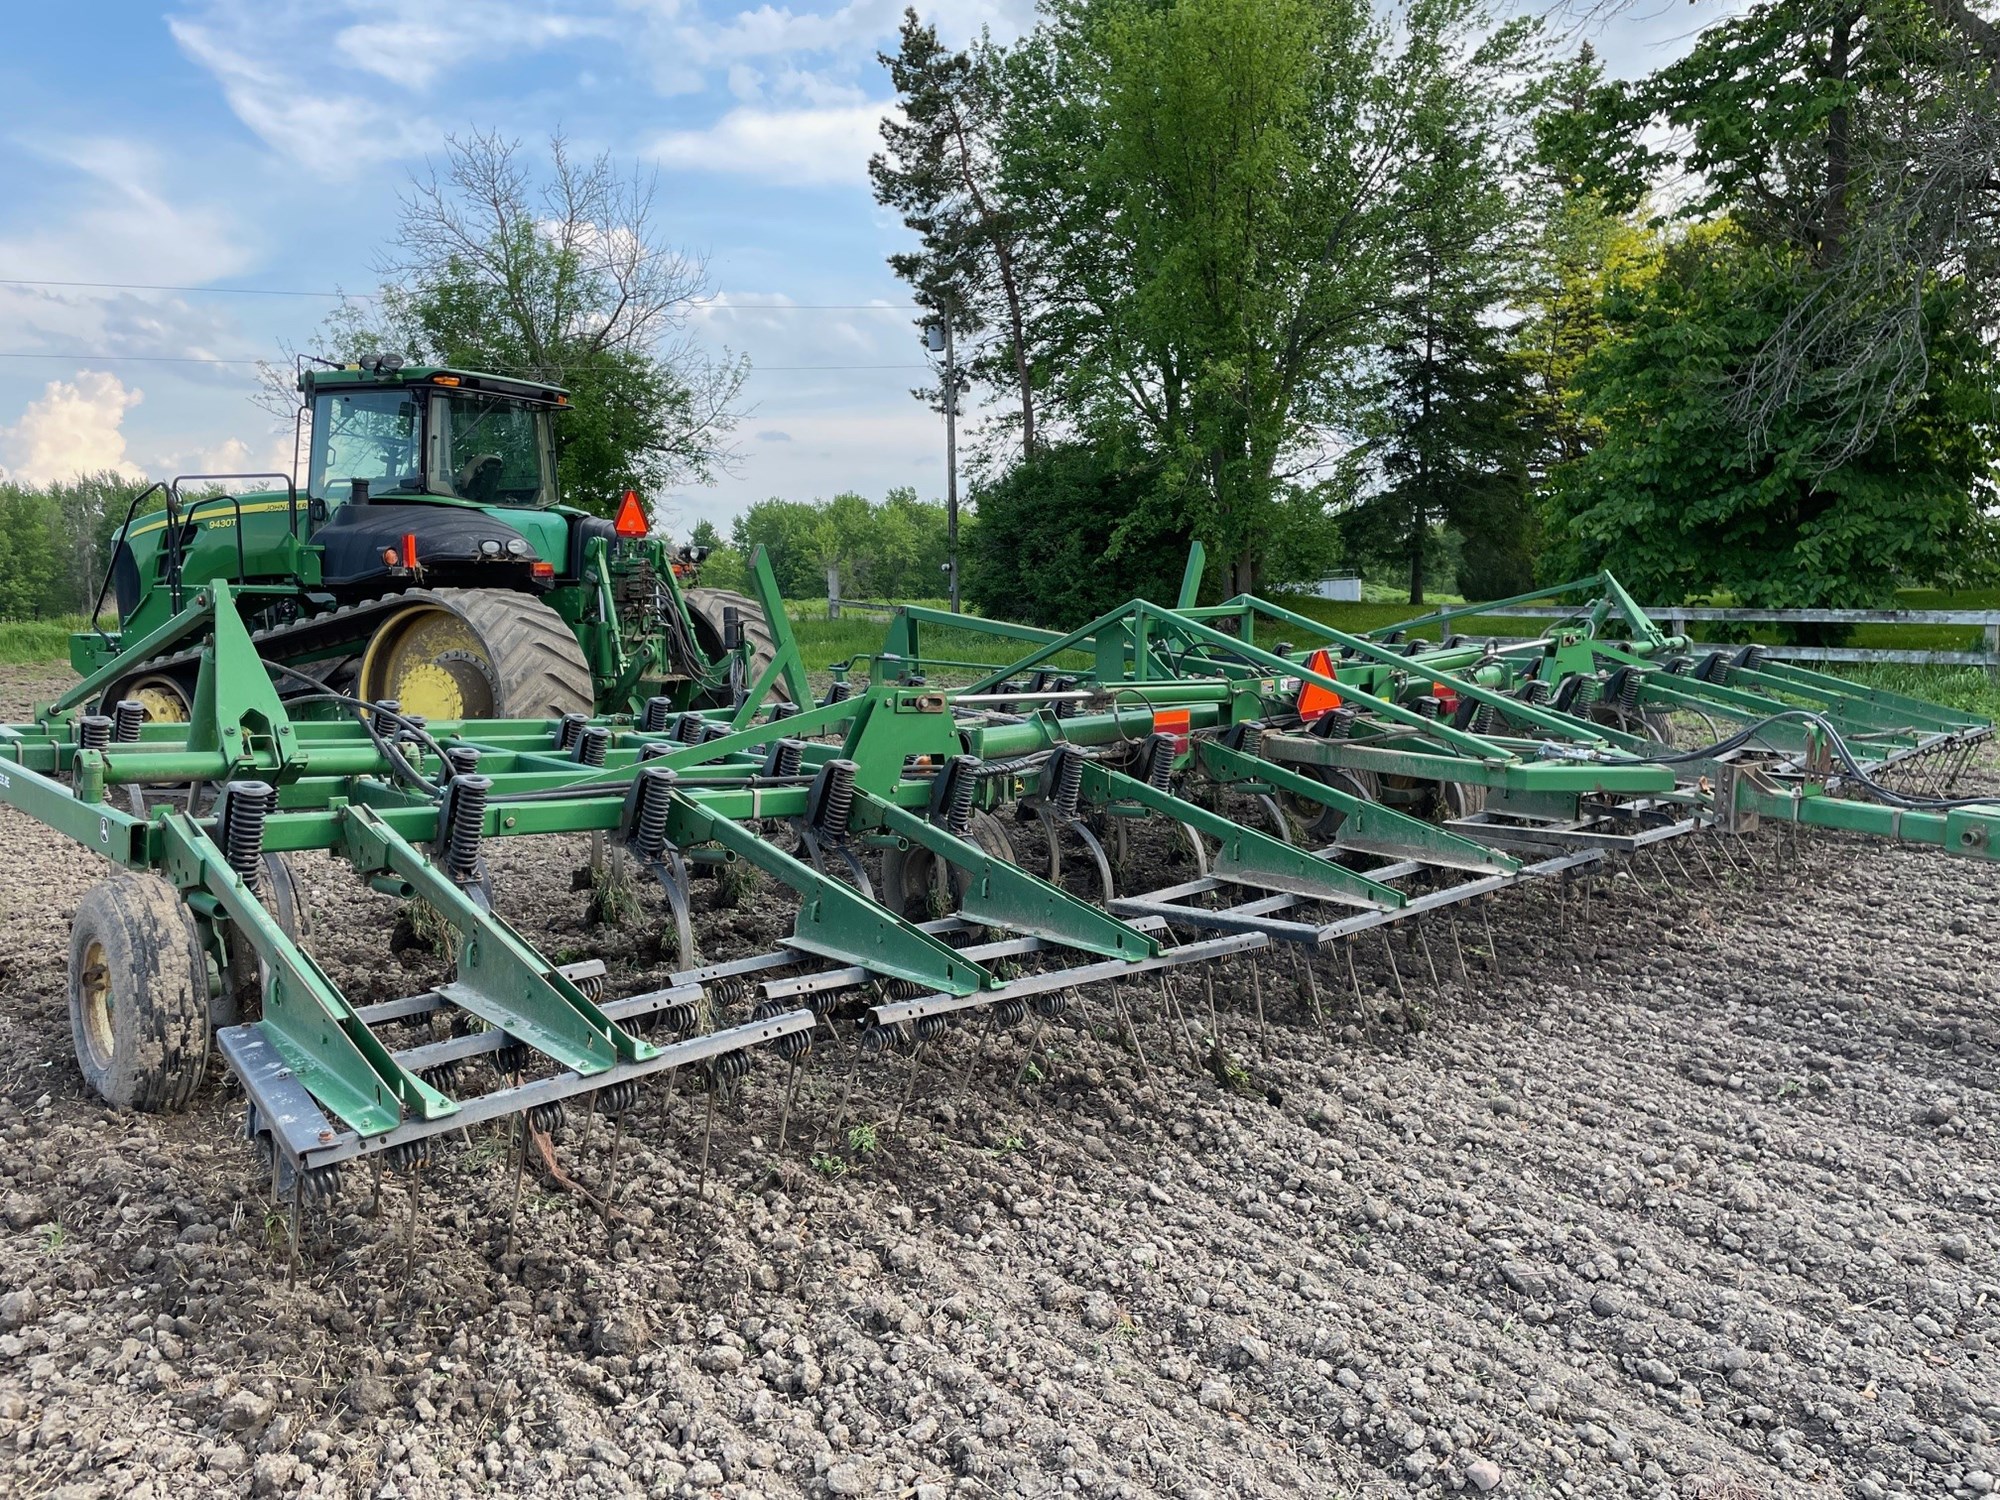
707, 1137
796, 1067
519, 1142
1257, 997
1305, 962
1458, 948
1353, 977
1492, 943
1424, 947
1390, 949
1131, 1032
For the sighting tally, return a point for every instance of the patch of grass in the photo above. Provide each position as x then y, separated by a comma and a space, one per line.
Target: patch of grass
861, 1139
829, 1166
33, 642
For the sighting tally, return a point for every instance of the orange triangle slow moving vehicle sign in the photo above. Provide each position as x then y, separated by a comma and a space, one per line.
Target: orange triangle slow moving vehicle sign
632, 520
1315, 700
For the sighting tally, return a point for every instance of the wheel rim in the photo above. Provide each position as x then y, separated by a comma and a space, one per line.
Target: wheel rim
431, 662
163, 698
94, 991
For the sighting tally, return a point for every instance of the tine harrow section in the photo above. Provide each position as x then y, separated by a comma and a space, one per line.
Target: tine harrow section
1162, 787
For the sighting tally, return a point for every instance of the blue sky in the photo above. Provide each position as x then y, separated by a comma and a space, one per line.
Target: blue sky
261, 144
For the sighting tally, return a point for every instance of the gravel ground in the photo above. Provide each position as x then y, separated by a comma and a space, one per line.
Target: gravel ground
1691, 1198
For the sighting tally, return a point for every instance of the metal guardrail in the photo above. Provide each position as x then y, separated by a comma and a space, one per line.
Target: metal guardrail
1674, 618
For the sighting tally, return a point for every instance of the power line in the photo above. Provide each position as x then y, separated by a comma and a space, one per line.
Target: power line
194, 359
262, 291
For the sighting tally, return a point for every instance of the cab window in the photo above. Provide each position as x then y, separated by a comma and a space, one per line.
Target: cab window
490, 450
371, 435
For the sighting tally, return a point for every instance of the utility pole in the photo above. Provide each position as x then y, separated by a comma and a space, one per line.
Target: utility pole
938, 339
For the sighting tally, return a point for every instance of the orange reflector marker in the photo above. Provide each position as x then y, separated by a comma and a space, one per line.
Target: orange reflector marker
1315, 700
632, 520
1447, 697
409, 549
543, 570
1176, 722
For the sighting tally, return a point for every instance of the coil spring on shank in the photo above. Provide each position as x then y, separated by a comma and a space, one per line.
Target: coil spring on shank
462, 760
833, 808
1010, 1012
729, 989
652, 804
1063, 779
839, 692
592, 740
127, 718
467, 824
961, 786
655, 715
1159, 766
245, 805
785, 758
545, 1117
93, 731
618, 1098
567, 732
725, 1069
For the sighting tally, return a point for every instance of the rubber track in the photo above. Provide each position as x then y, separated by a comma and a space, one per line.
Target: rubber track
153, 949
546, 647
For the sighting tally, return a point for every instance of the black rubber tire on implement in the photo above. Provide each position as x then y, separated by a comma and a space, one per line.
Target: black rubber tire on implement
138, 994
705, 606
535, 668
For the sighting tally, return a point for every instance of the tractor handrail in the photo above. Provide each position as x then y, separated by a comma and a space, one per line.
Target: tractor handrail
97, 605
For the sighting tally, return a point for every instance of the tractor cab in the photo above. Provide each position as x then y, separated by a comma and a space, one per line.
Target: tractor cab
382, 429
419, 474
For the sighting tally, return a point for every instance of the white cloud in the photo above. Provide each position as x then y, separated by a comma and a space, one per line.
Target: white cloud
794, 147
73, 427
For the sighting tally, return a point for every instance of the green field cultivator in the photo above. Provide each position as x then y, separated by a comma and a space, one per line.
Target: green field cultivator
966, 843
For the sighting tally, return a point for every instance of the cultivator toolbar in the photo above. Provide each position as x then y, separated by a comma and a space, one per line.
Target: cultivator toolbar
1163, 787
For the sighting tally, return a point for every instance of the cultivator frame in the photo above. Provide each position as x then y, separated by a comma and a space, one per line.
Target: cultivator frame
1316, 789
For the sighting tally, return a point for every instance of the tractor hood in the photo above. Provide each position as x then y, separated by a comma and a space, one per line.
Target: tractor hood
457, 545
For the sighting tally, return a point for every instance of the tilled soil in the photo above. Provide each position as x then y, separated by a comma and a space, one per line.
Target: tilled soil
1692, 1196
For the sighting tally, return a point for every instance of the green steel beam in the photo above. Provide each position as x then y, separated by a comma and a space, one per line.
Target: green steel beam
117, 835
501, 978
1368, 827
1459, 611
999, 894
787, 663
835, 920
1247, 857
1189, 594
340, 1061
1615, 778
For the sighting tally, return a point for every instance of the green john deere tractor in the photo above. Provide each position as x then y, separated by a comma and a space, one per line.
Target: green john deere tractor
429, 560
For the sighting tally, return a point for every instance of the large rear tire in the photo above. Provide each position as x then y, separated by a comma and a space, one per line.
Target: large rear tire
477, 654
138, 994
706, 606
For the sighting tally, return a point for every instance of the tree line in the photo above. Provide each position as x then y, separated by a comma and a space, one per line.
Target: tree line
1426, 292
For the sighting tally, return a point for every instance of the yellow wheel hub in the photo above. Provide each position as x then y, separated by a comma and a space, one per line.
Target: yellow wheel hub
94, 985
432, 663
165, 702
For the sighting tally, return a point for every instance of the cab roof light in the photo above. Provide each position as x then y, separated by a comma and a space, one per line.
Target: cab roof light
446, 380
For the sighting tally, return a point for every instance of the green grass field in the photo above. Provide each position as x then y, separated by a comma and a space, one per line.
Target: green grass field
826, 642
34, 642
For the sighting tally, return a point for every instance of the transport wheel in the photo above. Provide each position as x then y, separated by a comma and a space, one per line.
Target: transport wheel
706, 606
245, 981
1320, 822
168, 697
918, 885
477, 654
138, 994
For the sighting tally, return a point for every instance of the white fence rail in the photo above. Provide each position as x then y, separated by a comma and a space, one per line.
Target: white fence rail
1675, 619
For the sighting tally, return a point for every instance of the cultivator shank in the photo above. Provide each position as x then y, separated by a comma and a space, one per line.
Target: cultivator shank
1161, 788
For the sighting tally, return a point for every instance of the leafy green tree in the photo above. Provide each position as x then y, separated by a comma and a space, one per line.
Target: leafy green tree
1859, 137
1215, 184
940, 172
559, 275
784, 529
1679, 505
1070, 534
1448, 428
